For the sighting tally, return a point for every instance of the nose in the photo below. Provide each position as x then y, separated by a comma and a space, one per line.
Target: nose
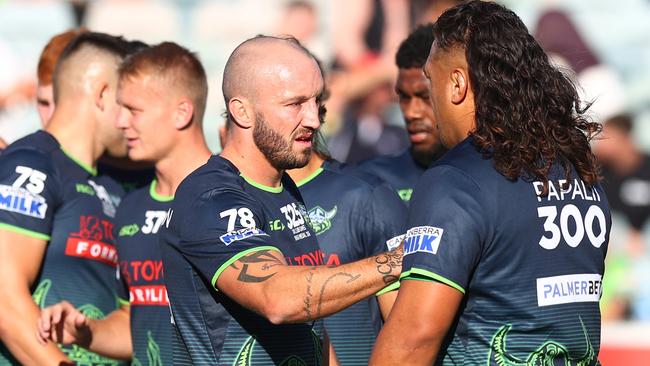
310, 118
122, 120
414, 109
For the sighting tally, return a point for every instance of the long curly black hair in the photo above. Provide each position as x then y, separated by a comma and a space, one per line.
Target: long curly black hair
528, 113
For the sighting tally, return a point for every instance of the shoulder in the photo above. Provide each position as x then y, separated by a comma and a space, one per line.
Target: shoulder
36, 148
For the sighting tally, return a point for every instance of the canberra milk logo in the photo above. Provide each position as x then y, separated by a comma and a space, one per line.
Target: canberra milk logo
394, 242
241, 234
321, 219
422, 239
20, 200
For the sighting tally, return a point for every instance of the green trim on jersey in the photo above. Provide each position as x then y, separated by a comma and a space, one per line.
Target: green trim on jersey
415, 273
310, 177
155, 195
85, 166
20, 230
236, 258
262, 186
123, 302
392, 287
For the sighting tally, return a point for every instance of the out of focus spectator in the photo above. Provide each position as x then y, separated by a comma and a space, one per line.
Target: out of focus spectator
626, 172
598, 82
426, 11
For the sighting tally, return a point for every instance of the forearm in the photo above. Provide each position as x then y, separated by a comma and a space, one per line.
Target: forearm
111, 336
17, 332
393, 349
386, 302
308, 293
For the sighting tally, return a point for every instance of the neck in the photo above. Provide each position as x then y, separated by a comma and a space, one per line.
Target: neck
75, 131
251, 162
188, 155
300, 174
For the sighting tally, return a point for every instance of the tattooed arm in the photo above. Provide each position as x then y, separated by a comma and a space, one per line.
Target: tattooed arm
263, 282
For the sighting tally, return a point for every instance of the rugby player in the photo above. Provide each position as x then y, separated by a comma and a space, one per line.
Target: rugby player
354, 216
238, 229
162, 91
508, 231
403, 170
56, 213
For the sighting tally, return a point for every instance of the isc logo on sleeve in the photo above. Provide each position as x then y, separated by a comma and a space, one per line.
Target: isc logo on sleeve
422, 239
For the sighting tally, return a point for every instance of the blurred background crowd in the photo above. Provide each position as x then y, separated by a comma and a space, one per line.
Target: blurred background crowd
604, 44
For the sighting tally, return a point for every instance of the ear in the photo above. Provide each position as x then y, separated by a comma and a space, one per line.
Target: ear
100, 96
184, 114
242, 112
460, 85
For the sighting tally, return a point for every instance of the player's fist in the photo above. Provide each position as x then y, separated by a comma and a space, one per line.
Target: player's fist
63, 323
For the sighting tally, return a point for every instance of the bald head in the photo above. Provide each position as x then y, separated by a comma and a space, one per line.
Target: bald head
258, 61
88, 57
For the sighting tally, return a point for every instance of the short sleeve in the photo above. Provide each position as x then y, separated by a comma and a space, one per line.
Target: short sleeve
221, 227
447, 227
29, 193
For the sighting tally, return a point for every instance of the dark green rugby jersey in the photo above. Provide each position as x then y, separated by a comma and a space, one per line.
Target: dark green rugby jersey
141, 284
47, 194
354, 216
401, 171
217, 217
530, 266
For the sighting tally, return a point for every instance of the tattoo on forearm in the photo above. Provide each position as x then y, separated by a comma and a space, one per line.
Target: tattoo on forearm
262, 256
350, 278
308, 298
389, 265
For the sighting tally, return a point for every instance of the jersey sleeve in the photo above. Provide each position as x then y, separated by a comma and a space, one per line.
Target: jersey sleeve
121, 272
447, 227
222, 227
29, 193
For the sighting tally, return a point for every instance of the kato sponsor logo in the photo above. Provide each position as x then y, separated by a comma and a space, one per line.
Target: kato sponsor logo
241, 234
92, 241
568, 289
422, 239
22, 201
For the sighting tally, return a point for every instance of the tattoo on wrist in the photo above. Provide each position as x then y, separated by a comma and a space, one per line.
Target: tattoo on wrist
389, 265
262, 256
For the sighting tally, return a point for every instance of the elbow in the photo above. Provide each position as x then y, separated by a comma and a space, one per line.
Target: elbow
283, 310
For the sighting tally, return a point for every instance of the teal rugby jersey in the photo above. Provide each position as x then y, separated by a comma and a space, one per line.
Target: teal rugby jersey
47, 194
217, 217
139, 218
530, 266
354, 216
401, 171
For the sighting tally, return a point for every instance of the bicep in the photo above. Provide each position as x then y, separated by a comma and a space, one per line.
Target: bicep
420, 318
20, 259
247, 275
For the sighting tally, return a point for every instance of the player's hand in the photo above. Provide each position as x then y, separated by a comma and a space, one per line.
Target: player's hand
63, 323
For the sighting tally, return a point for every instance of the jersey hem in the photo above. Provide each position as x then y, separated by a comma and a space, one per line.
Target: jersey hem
392, 287
23, 231
123, 302
409, 275
235, 258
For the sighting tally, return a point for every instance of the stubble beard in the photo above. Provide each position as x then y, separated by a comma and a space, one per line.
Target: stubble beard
276, 149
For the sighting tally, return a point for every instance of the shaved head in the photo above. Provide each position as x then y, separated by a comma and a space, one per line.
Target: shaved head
257, 61
88, 57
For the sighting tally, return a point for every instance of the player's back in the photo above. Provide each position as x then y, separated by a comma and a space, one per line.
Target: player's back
530, 265
218, 216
